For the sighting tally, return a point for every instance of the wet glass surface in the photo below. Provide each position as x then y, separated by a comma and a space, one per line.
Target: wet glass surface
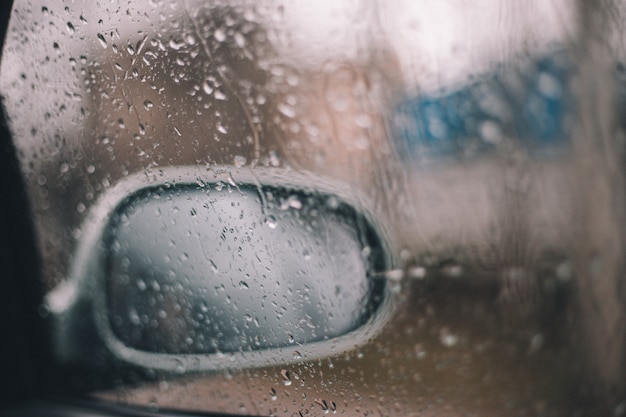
194, 271
484, 138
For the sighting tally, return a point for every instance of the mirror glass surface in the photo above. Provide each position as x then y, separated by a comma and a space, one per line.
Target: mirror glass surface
192, 269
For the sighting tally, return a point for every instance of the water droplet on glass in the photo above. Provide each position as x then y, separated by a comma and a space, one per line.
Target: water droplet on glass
153, 405
240, 40
271, 221
292, 202
190, 39
147, 104
180, 367
447, 338
549, 86
490, 132
175, 45
273, 394
420, 352
274, 159
395, 275
323, 405
452, 270
219, 35
103, 41
141, 285
417, 272
206, 87
287, 110
240, 161
70, 28
286, 376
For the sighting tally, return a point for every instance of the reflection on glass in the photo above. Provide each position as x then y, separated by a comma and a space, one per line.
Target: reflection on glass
190, 270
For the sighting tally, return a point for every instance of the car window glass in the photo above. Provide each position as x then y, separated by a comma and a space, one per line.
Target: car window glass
295, 208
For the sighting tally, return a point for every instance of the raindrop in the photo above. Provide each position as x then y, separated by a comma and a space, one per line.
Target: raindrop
130, 49
271, 221
243, 285
363, 120
240, 40
417, 272
103, 41
273, 394
206, 87
219, 35
153, 406
134, 317
549, 86
491, 132
147, 104
190, 39
274, 159
395, 275
70, 28
420, 352
297, 355
287, 110
141, 285
213, 267
176, 45
180, 367
219, 95
286, 376
240, 161
447, 338
451, 270
323, 404
91, 169
294, 202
